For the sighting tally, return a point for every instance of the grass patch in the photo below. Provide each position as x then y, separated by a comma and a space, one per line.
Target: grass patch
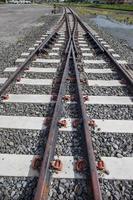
124, 7
123, 17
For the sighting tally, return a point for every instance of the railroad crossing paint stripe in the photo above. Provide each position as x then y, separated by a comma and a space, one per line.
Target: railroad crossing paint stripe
19, 165
116, 100
33, 123
29, 98
114, 126
40, 60
119, 168
87, 54
27, 81
33, 69
99, 71
94, 61
105, 83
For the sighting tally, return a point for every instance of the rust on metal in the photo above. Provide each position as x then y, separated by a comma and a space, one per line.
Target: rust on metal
86, 98
5, 97
36, 162
47, 121
100, 165
57, 165
62, 123
71, 79
18, 79
92, 123
54, 97
80, 165
69, 98
75, 123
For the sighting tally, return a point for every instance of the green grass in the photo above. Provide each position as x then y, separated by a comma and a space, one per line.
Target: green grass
123, 17
124, 7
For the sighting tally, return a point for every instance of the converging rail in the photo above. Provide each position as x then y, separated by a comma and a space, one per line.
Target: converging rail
44, 178
58, 90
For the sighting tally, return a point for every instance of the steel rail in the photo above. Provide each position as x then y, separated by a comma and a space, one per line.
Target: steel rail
45, 173
87, 134
29, 59
124, 68
87, 138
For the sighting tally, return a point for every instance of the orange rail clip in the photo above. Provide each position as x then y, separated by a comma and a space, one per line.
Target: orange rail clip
86, 98
36, 162
92, 123
75, 123
5, 97
80, 165
62, 123
57, 165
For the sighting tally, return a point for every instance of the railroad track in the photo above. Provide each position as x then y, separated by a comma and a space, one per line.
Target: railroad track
66, 102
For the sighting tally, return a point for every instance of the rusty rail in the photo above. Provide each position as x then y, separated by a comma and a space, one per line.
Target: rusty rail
45, 173
124, 68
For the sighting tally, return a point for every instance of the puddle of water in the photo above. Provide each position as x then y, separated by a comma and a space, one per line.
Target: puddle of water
119, 30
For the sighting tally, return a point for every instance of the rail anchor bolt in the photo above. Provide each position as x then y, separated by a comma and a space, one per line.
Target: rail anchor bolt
86, 98
5, 97
76, 123
80, 165
18, 79
62, 123
92, 123
57, 165
36, 162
